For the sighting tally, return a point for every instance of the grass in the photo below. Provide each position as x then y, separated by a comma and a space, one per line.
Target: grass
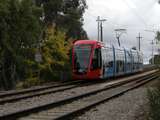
154, 103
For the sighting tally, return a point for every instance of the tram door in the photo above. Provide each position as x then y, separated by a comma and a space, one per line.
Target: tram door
108, 62
120, 61
96, 60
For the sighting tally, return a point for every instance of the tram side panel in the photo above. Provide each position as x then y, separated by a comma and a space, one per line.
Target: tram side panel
108, 62
120, 62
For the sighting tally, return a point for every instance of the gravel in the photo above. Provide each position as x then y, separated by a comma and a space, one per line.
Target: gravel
133, 105
110, 110
130, 106
36, 92
40, 100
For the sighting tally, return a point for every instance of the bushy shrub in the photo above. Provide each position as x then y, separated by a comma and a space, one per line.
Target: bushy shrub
154, 104
28, 83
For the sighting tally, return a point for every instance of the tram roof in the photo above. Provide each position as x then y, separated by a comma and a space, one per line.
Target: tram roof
76, 42
86, 42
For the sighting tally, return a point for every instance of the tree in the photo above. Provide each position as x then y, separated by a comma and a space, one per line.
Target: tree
54, 52
158, 40
19, 33
23, 32
156, 60
158, 36
74, 10
65, 15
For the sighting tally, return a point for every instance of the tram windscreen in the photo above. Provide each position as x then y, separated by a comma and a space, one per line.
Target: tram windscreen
81, 57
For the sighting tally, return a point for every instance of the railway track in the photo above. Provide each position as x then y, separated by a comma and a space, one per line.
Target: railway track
5, 94
13, 96
72, 105
16, 92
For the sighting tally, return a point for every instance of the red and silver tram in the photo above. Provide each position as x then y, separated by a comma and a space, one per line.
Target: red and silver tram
91, 59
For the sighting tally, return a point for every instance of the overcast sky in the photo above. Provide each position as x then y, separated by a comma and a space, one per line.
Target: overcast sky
133, 15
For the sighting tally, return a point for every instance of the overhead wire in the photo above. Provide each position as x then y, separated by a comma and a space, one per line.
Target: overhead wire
131, 8
88, 13
135, 13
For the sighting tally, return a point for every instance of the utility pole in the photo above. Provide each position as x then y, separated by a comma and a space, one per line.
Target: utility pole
98, 18
152, 52
153, 31
100, 28
119, 32
139, 41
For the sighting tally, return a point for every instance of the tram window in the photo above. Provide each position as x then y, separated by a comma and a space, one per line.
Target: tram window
96, 60
110, 64
117, 66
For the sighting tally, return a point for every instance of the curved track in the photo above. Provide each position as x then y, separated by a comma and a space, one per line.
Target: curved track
70, 106
11, 93
14, 96
29, 93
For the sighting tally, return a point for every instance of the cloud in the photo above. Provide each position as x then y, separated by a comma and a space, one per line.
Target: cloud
133, 15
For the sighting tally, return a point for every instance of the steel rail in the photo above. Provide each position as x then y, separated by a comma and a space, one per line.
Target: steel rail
87, 107
40, 93
30, 90
41, 88
24, 94
68, 100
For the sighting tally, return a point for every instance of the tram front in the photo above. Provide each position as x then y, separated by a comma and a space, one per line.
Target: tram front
86, 62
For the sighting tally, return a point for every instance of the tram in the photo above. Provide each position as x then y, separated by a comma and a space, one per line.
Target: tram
92, 59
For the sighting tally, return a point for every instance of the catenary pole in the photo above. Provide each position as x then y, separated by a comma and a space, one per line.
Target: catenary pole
139, 41
100, 28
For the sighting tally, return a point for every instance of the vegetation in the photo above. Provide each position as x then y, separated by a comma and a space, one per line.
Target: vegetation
156, 57
44, 27
154, 93
19, 33
158, 36
156, 60
154, 104
54, 52
66, 15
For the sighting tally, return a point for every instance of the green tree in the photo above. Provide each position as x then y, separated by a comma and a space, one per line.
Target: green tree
158, 36
19, 34
73, 18
66, 15
23, 33
54, 52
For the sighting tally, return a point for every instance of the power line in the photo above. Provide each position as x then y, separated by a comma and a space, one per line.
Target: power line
135, 12
90, 14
